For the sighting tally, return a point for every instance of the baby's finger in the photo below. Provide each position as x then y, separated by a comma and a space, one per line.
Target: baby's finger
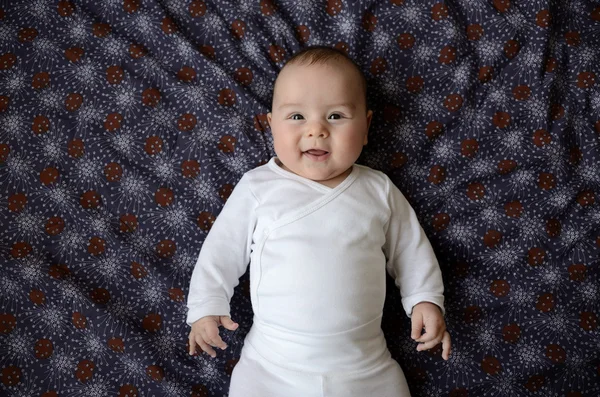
446, 346
428, 345
416, 327
192, 343
213, 338
228, 323
206, 347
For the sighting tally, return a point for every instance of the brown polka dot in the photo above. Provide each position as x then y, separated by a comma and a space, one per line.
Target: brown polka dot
553, 227
128, 390
453, 102
176, 295
459, 392
137, 51
441, 222
197, 8
65, 8
4, 152
536, 256
205, 221
391, 113
114, 74
342, 46
556, 353
190, 168
27, 35
37, 297
491, 365
475, 191
492, 238
586, 79
437, 174
414, 84
486, 73
276, 53
575, 155
511, 48
59, 272
261, 123
500, 288
474, 32
166, 248
164, 196
40, 80
225, 191
369, 21
227, 97
55, 225
439, 12
151, 96
541, 138
116, 344
113, 121
447, 55
100, 296
11, 375
378, 66
227, 144
113, 172
545, 303
472, 314
90, 199
74, 54
85, 370
96, 246
4, 101
187, 74
398, 160
434, 129
302, 34
461, 269
73, 101
595, 14
168, 26
186, 122
535, 383
577, 272
101, 29
43, 349
155, 373
49, 176
76, 148
586, 197
8, 322
501, 119
20, 249
546, 181
7, 61
267, 7
137, 270
208, 51
513, 209
506, 166
551, 65
243, 76
501, 5
557, 111
154, 145
334, 7
397, 2
588, 321
238, 28
17, 202
131, 6
152, 322
128, 223
511, 333
40, 124
79, 320
406, 41
573, 38
542, 18
469, 148
521, 92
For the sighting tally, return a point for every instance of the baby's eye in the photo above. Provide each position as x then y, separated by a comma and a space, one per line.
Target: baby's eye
334, 116
297, 117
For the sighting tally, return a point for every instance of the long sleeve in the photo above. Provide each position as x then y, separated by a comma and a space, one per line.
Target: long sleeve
411, 260
224, 255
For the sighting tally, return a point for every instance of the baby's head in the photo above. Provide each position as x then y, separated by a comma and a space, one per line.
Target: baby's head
319, 116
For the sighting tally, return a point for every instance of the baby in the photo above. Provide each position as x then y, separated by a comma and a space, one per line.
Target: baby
319, 233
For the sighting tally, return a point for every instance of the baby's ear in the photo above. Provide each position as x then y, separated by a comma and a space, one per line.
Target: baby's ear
269, 118
369, 117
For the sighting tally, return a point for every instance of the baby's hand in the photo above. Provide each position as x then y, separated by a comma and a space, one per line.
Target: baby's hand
427, 315
205, 333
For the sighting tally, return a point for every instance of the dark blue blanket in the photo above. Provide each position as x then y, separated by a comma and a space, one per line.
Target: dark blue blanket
125, 124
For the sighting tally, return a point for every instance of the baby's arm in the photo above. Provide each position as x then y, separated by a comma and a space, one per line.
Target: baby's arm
205, 333
429, 317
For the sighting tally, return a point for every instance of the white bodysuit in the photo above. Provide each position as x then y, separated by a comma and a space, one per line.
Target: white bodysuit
318, 257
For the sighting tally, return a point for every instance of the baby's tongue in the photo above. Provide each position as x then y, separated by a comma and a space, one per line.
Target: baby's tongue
316, 152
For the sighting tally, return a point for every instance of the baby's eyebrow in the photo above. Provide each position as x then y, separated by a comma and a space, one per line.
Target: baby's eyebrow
348, 105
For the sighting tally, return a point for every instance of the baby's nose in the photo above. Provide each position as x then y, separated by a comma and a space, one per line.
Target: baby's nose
317, 130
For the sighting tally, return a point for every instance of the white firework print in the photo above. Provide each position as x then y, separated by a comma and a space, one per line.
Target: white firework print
13, 126
132, 190
14, 83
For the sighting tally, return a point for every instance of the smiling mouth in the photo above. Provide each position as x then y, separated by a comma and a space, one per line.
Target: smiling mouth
316, 154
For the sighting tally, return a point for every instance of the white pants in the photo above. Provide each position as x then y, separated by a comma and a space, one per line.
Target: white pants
272, 367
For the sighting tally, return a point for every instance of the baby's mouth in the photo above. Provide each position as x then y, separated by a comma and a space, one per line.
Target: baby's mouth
316, 152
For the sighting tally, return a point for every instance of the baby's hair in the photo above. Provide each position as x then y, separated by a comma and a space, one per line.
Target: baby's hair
323, 55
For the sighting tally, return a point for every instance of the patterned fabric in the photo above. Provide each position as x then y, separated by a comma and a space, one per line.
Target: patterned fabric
125, 124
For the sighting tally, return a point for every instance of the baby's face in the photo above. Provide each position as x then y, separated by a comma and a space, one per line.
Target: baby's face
319, 120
